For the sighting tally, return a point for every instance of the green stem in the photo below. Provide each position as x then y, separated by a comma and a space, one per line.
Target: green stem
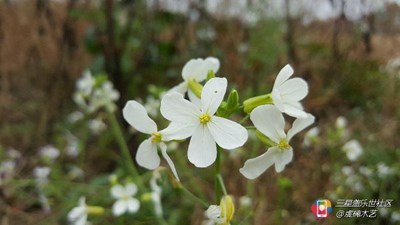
217, 172
130, 166
245, 119
192, 196
221, 182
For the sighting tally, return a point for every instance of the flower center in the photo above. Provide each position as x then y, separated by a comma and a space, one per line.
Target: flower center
156, 137
283, 144
204, 119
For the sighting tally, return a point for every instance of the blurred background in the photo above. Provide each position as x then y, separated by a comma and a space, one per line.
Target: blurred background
347, 51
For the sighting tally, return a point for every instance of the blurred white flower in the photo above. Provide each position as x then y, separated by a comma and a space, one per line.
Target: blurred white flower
135, 114
287, 93
49, 152
152, 106
125, 200
156, 192
13, 154
199, 122
72, 148
365, 171
7, 169
75, 173
347, 170
221, 214
75, 116
41, 174
79, 214
311, 136
353, 150
383, 170
85, 84
197, 70
213, 214
96, 126
105, 96
341, 122
245, 202
395, 217
270, 122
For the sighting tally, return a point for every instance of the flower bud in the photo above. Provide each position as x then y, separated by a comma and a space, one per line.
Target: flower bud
196, 88
252, 103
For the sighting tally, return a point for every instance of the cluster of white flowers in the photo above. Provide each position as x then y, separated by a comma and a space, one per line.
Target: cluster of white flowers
92, 94
197, 118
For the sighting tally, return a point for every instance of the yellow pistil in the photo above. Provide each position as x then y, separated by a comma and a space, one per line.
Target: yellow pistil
156, 137
283, 144
227, 209
204, 119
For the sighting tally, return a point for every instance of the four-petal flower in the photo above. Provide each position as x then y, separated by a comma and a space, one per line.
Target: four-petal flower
199, 121
286, 93
125, 200
270, 122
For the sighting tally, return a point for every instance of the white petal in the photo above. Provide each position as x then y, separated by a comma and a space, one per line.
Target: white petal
147, 156
194, 69
213, 94
282, 159
178, 131
81, 220
133, 205
211, 63
194, 99
136, 115
119, 207
253, 168
226, 133
175, 108
294, 89
76, 213
294, 109
117, 191
300, 124
202, 148
171, 165
283, 75
130, 189
269, 121
180, 88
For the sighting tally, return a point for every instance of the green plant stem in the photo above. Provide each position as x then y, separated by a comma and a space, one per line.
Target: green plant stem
130, 166
192, 196
217, 185
245, 119
221, 182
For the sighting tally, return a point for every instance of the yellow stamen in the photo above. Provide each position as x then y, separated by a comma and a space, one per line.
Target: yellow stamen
204, 119
156, 137
283, 144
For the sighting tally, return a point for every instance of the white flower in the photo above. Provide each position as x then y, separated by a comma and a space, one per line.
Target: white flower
72, 148
96, 126
13, 154
156, 191
310, 136
41, 174
85, 83
7, 169
341, 122
75, 116
105, 96
213, 213
353, 150
383, 170
286, 93
195, 69
125, 200
245, 201
79, 214
135, 114
269, 121
395, 217
199, 122
49, 152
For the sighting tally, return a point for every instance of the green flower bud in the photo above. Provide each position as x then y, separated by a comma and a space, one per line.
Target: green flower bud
252, 103
195, 87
